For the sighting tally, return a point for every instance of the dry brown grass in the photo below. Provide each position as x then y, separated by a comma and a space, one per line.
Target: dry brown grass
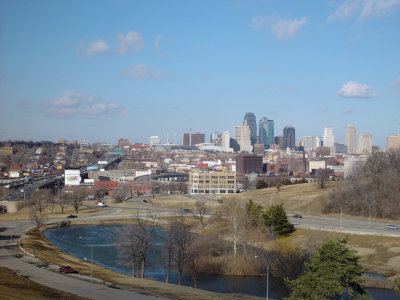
13, 286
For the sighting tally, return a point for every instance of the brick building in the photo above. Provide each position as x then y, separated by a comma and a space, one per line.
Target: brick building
249, 164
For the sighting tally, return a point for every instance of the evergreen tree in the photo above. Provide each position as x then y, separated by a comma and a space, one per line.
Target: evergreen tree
276, 218
333, 273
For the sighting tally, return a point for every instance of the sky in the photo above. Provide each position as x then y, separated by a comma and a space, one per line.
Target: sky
104, 70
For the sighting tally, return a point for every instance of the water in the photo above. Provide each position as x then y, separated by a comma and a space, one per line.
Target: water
79, 241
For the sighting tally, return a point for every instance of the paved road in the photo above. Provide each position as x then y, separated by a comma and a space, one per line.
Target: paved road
10, 230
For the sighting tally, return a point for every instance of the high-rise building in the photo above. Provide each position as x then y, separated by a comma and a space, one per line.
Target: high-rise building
266, 132
365, 143
249, 164
393, 142
251, 122
226, 138
289, 137
191, 139
278, 140
329, 139
310, 143
245, 140
237, 132
351, 139
154, 140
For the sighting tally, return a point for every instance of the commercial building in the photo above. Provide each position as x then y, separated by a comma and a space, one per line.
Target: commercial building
191, 139
246, 164
393, 142
245, 139
266, 132
365, 143
226, 141
351, 139
329, 138
154, 140
289, 137
250, 120
212, 182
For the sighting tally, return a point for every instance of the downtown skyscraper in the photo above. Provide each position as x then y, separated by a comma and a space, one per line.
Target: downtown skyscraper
289, 137
266, 132
251, 122
351, 138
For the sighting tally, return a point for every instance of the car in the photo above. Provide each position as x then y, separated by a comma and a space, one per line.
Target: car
186, 210
72, 216
297, 216
102, 204
391, 226
67, 269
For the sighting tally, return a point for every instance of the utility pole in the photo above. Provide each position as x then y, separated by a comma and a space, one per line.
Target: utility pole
267, 297
91, 265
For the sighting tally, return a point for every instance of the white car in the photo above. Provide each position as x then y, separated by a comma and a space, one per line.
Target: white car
102, 204
392, 227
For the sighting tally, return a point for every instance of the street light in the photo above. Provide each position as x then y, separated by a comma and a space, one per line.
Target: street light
341, 215
369, 212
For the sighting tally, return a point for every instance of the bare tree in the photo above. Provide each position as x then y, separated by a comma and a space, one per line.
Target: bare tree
63, 200
182, 239
37, 208
77, 196
120, 193
322, 176
201, 212
236, 213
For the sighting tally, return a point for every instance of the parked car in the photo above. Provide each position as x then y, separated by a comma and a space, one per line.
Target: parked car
102, 204
298, 216
391, 226
67, 269
72, 216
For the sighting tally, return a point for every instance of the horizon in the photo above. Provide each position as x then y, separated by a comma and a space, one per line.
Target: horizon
122, 69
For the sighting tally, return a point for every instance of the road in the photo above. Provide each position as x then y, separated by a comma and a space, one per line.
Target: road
10, 231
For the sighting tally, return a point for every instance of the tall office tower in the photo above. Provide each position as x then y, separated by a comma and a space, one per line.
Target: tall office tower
393, 142
329, 139
278, 140
289, 137
266, 132
154, 140
226, 140
245, 140
251, 122
310, 143
191, 139
365, 143
351, 139
237, 132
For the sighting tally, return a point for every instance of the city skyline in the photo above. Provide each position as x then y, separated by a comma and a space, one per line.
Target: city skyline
105, 70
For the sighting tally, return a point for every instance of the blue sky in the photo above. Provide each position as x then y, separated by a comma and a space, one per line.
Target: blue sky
103, 70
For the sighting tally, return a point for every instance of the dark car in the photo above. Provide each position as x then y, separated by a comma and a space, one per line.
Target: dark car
186, 210
297, 216
67, 269
72, 216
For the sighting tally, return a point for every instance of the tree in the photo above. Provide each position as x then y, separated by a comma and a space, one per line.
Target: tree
201, 212
276, 218
261, 184
333, 273
120, 193
397, 285
322, 176
77, 196
182, 240
37, 206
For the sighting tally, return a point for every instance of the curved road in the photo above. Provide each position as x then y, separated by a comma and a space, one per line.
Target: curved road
11, 230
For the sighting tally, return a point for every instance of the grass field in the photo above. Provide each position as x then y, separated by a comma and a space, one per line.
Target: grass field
13, 286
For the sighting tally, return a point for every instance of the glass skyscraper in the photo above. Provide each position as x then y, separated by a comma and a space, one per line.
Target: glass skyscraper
289, 137
266, 132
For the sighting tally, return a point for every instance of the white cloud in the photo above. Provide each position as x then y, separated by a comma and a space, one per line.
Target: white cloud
354, 89
282, 29
365, 9
98, 46
287, 29
157, 45
141, 72
131, 42
348, 110
72, 104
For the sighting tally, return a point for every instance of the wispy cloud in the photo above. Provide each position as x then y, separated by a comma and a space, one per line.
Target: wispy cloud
141, 71
93, 48
290, 88
354, 89
396, 88
364, 9
131, 42
263, 87
157, 46
348, 110
72, 104
282, 29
